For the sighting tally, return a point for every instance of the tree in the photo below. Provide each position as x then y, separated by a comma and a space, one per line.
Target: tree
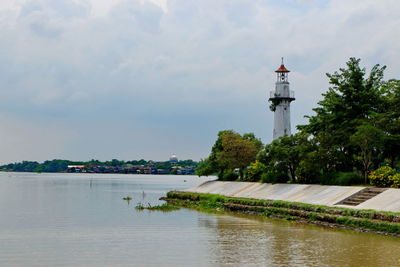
254, 171
370, 141
283, 155
204, 168
388, 120
351, 101
231, 150
237, 152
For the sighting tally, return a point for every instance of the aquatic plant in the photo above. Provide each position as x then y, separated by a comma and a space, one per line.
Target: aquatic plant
127, 199
164, 207
140, 206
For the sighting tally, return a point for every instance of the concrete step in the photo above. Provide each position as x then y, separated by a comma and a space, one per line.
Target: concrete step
361, 196
351, 203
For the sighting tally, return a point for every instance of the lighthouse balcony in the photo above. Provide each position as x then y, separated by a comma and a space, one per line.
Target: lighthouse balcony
288, 95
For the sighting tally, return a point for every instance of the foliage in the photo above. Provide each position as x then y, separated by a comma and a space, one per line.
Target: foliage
370, 140
204, 168
254, 171
58, 165
33, 166
274, 176
228, 175
282, 157
385, 177
349, 103
341, 178
164, 207
230, 151
355, 126
274, 103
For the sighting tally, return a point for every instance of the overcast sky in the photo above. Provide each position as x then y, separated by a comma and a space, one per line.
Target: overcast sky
131, 79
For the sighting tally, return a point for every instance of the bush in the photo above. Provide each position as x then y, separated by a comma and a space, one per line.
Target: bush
385, 177
228, 175
341, 178
254, 171
396, 180
274, 177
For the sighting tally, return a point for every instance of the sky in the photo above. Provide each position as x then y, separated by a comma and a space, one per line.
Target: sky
132, 79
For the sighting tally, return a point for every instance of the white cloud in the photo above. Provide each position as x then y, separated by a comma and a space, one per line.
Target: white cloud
180, 67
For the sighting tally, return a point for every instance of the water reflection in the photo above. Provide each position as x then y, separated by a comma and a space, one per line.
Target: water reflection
244, 241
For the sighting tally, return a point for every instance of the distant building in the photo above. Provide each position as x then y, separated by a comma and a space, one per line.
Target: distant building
185, 170
173, 159
162, 171
76, 168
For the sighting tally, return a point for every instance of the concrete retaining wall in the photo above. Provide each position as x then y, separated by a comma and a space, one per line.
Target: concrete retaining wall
388, 200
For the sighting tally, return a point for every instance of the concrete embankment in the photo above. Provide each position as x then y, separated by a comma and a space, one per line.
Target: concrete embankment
353, 197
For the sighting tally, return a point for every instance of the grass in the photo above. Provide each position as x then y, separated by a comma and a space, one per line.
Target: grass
164, 207
377, 221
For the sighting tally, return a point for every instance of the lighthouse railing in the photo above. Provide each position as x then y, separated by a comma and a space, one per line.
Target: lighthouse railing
288, 94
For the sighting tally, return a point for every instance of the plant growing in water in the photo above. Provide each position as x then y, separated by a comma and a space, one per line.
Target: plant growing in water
127, 199
140, 206
164, 207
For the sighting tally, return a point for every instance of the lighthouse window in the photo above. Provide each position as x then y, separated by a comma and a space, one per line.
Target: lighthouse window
285, 108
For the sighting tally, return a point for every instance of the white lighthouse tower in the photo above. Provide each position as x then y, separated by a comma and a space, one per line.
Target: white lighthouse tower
280, 103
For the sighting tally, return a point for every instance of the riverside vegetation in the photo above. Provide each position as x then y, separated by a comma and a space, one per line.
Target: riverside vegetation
355, 130
111, 166
163, 207
362, 220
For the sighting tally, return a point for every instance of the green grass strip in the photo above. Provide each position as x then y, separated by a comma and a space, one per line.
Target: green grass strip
364, 219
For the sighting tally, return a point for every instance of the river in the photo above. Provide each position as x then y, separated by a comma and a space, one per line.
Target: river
82, 220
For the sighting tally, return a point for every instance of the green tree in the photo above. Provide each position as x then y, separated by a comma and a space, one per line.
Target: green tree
283, 156
204, 168
255, 171
231, 150
351, 101
388, 120
370, 141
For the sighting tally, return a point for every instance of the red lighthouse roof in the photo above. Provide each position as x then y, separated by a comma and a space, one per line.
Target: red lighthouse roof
282, 68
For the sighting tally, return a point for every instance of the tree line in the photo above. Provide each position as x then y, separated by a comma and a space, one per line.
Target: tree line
355, 129
59, 165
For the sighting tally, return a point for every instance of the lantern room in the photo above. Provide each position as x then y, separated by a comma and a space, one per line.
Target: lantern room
282, 73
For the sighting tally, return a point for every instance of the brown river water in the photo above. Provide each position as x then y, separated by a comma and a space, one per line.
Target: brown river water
81, 220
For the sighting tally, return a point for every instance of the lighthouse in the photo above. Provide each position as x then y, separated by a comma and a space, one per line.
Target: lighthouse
280, 100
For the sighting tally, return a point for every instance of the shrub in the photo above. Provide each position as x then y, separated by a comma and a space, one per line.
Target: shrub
385, 177
254, 171
349, 178
341, 178
396, 180
228, 175
274, 177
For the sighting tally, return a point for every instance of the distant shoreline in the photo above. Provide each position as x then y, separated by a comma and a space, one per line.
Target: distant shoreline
172, 166
65, 172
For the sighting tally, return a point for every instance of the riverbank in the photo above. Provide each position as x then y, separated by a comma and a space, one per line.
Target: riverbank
352, 197
361, 220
